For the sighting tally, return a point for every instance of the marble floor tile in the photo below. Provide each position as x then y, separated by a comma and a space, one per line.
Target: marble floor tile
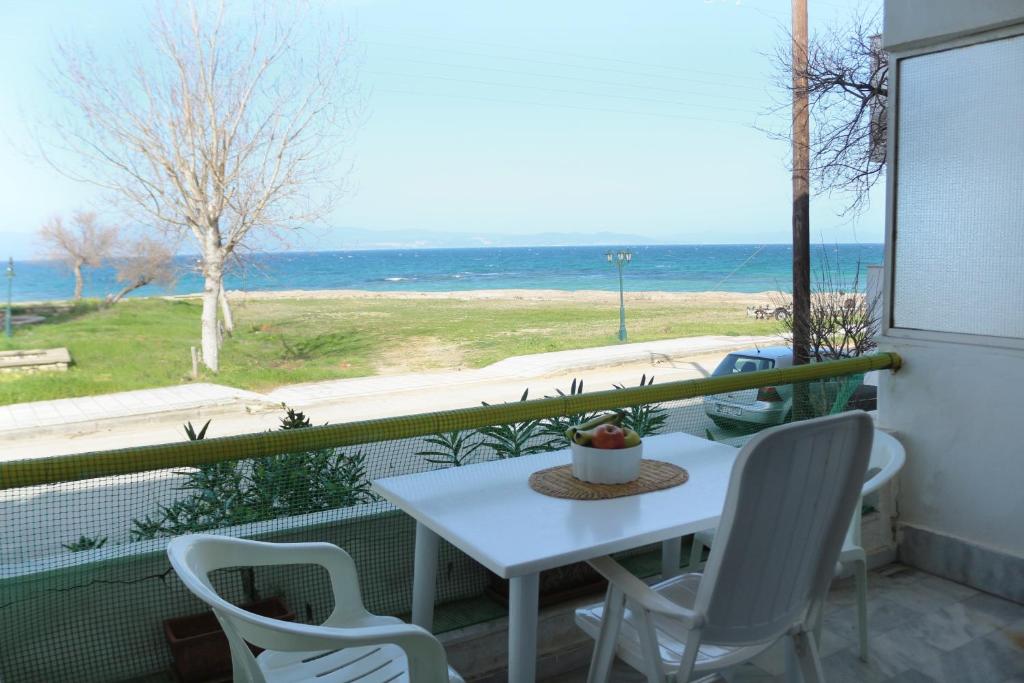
989, 608
949, 627
842, 594
832, 641
919, 596
899, 650
911, 676
896, 573
845, 666
1015, 633
883, 616
957, 590
749, 673
995, 657
923, 629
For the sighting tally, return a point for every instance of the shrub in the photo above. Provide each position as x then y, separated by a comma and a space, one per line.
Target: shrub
244, 491
646, 419
519, 438
85, 543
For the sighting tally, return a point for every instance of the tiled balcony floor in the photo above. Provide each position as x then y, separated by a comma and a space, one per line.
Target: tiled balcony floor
923, 630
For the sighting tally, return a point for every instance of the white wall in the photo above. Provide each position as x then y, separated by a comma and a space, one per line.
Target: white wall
957, 402
911, 23
958, 411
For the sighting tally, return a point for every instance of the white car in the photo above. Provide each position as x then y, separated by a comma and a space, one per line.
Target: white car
762, 407
769, 405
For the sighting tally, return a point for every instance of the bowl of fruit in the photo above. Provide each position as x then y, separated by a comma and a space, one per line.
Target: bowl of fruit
605, 452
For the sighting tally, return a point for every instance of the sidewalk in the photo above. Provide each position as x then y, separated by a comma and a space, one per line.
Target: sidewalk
86, 412
135, 418
517, 367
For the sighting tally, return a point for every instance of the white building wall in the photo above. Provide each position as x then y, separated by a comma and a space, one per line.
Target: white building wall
957, 410
958, 402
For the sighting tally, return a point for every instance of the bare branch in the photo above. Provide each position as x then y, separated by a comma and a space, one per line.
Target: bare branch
847, 87
84, 243
142, 262
843, 321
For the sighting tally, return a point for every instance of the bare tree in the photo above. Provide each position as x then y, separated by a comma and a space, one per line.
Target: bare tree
846, 87
224, 125
843, 322
145, 261
84, 243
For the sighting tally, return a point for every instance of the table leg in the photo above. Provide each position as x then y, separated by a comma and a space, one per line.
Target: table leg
793, 674
424, 577
522, 628
671, 556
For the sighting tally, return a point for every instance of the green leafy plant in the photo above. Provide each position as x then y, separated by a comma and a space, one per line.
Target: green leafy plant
519, 438
85, 543
646, 419
453, 449
191, 433
555, 427
244, 491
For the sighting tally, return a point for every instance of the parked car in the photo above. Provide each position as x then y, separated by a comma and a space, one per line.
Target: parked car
770, 405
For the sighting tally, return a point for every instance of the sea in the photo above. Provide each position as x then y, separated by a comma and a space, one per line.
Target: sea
668, 268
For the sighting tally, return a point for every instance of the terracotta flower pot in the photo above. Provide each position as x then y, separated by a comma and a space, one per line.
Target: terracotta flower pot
199, 647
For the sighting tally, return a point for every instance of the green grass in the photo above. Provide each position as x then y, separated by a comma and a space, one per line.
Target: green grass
145, 343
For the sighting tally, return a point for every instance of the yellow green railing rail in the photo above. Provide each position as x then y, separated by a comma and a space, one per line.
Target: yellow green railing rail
79, 466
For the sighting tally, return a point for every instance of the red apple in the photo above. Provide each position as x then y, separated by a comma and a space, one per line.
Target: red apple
608, 436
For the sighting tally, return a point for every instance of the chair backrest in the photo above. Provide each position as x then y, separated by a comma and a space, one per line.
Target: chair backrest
792, 492
887, 459
194, 556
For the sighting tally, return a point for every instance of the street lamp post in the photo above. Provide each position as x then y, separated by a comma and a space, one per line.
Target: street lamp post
621, 259
8, 322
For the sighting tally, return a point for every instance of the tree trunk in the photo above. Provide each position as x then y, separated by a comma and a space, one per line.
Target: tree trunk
78, 281
225, 311
211, 350
114, 298
213, 282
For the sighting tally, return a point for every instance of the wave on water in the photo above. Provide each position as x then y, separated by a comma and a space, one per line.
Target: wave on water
680, 268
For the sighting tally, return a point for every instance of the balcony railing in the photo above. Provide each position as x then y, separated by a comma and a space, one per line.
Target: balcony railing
84, 583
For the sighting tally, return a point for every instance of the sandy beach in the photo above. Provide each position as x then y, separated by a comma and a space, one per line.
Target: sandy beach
545, 295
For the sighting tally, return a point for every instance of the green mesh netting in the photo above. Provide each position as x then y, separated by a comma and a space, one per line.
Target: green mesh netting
85, 587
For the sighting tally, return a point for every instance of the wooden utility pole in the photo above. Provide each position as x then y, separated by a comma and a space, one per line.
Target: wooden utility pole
801, 189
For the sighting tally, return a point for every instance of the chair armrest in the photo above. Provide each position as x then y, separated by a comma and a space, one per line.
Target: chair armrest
642, 594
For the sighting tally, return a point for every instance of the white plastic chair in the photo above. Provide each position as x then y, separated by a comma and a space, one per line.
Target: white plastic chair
887, 459
792, 487
351, 645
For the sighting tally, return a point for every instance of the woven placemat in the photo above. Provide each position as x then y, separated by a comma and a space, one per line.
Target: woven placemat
655, 475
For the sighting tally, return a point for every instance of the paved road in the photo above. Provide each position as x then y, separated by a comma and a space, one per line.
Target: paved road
347, 400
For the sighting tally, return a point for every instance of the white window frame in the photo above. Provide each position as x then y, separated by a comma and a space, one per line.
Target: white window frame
889, 331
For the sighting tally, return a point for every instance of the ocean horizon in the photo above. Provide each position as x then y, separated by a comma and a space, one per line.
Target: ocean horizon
667, 268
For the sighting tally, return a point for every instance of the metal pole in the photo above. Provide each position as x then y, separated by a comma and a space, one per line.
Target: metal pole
622, 305
8, 318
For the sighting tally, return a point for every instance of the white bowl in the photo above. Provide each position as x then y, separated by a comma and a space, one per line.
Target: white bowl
606, 465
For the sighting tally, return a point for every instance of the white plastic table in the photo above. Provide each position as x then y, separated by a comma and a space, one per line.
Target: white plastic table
489, 512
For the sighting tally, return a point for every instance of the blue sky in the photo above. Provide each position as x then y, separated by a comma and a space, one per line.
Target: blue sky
504, 117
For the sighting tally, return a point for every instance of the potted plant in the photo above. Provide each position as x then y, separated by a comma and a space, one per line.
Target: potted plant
199, 647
